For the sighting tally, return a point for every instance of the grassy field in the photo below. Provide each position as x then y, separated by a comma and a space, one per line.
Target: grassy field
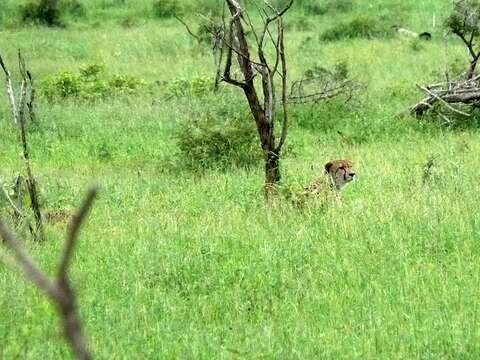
194, 264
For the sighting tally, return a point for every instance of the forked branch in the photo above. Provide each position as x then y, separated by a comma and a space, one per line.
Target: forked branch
58, 290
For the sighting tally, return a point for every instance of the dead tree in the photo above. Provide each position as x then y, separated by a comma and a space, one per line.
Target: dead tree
25, 103
58, 290
464, 22
251, 57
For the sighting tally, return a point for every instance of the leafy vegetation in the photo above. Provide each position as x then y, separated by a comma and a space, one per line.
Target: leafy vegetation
89, 83
195, 86
175, 263
217, 141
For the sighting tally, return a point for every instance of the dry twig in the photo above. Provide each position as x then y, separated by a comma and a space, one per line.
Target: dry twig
25, 104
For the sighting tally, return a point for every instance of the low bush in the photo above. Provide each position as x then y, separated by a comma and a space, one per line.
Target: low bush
89, 83
41, 12
196, 86
214, 141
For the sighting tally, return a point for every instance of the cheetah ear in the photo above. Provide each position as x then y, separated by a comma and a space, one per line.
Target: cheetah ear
328, 166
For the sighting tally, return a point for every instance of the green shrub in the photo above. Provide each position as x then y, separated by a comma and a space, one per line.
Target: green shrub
89, 83
197, 86
361, 27
41, 12
165, 8
416, 44
125, 83
214, 141
63, 84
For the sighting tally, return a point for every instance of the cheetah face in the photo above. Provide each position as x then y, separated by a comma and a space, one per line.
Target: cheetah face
341, 172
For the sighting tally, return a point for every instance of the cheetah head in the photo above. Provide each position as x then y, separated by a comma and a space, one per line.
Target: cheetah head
341, 172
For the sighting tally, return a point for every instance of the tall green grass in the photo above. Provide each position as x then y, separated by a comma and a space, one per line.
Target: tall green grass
182, 264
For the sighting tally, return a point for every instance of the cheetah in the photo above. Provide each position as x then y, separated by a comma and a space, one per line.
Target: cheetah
338, 173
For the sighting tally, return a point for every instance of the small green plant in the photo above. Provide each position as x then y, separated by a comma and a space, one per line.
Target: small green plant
196, 86
429, 169
213, 141
125, 83
416, 44
91, 71
340, 70
165, 8
364, 26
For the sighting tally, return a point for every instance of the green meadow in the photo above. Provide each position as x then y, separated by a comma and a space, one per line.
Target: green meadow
191, 262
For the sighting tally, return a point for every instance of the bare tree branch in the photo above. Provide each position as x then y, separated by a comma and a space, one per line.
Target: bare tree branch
196, 37
31, 99
28, 266
439, 98
10, 94
18, 213
281, 51
59, 291
73, 229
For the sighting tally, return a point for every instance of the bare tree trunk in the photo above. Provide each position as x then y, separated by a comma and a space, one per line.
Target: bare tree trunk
473, 65
272, 168
264, 113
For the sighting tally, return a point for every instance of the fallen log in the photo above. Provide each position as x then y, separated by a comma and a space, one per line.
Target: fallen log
449, 94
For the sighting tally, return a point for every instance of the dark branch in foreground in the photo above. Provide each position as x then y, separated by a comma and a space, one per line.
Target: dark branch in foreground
59, 290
